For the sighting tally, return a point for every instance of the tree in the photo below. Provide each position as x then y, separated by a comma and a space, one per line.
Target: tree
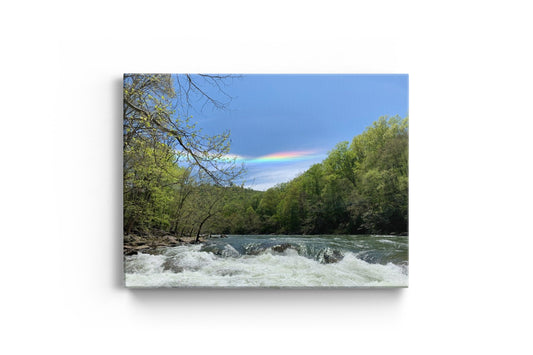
360, 187
181, 193
164, 151
341, 162
149, 174
207, 204
382, 171
150, 102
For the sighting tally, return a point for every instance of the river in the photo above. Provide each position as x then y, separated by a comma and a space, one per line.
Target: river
294, 261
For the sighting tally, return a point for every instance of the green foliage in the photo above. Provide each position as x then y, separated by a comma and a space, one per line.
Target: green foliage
150, 115
162, 150
361, 187
149, 175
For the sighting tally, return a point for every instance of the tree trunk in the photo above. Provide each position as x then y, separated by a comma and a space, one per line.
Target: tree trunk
130, 225
174, 228
200, 229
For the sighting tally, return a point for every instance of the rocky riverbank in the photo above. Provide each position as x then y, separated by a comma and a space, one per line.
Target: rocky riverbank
135, 243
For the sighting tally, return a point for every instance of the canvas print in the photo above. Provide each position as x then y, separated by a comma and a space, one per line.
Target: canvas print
297, 181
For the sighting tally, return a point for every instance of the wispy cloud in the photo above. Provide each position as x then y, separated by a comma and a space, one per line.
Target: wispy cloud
264, 172
262, 176
289, 156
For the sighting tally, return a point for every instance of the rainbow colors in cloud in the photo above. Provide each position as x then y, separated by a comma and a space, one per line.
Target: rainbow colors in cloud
279, 157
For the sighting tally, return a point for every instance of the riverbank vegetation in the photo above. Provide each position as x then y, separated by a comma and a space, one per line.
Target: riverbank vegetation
178, 182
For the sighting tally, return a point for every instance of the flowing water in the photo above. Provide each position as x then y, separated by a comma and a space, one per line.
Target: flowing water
275, 261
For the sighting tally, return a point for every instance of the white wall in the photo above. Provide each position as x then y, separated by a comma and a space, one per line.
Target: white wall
470, 122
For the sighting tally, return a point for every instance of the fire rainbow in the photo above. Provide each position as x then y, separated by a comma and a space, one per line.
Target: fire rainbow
279, 157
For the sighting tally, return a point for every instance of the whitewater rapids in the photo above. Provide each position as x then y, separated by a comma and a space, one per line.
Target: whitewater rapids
273, 262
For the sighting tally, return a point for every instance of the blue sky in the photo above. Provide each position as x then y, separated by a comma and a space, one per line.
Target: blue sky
306, 114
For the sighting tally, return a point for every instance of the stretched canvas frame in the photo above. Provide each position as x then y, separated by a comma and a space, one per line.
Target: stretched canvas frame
297, 181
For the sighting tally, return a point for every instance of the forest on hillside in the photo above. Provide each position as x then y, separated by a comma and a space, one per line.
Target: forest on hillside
176, 180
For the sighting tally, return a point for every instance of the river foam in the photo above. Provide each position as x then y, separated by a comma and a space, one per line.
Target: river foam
190, 266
